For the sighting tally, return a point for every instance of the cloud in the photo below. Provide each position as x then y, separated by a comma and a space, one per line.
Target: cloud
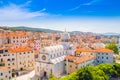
88, 3
44, 9
20, 12
75, 8
26, 3
91, 2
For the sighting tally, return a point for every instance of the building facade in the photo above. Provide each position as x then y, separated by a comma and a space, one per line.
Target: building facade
5, 73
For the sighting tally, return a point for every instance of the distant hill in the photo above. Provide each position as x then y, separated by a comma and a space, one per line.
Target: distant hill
30, 29
111, 34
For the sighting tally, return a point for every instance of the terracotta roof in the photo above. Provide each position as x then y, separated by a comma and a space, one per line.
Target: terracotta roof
21, 49
104, 50
84, 50
79, 50
79, 59
18, 34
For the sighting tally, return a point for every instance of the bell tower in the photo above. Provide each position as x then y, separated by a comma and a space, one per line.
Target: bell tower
65, 38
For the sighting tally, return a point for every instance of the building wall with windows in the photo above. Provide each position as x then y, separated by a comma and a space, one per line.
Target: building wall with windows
5, 73
104, 57
20, 58
74, 63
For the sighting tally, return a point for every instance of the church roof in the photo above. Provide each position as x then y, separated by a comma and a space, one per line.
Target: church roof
53, 49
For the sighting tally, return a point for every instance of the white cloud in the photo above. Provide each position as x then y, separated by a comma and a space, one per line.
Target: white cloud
19, 12
97, 25
87, 4
75, 8
91, 2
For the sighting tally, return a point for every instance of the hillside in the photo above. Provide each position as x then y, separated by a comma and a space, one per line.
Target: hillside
30, 29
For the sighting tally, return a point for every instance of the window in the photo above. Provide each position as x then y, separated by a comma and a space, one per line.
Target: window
6, 50
102, 57
1, 51
106, 53
71, 66
9, 78
106, 57
13, 41
102, 61
1, 60
75, 67
65, 64
9, 72
98, 57
102, 53
1, 74
13, 59
13, 64
8, 60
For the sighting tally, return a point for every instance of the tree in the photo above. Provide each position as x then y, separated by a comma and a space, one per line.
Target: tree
92, 73
72, 76
52, 77
117, 69
38, 79
85, 73
99, 72
112, 47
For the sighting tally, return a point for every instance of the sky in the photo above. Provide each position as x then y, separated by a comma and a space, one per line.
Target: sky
99, 16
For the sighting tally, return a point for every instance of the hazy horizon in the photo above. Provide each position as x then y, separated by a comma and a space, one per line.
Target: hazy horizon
98, 16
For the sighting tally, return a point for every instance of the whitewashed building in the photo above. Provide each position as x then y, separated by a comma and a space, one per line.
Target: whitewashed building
51, 59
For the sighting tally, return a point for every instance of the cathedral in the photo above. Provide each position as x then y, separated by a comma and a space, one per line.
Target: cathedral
51, 58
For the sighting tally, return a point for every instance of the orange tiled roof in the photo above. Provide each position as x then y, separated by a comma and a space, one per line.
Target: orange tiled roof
79, 50
18, 34
21, 49
104, 50
78, 60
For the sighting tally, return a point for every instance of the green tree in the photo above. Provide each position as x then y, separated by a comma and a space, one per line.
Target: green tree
72, 76
99, 72
85, 73
38, 79
117, 69
112, 47
52, 77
